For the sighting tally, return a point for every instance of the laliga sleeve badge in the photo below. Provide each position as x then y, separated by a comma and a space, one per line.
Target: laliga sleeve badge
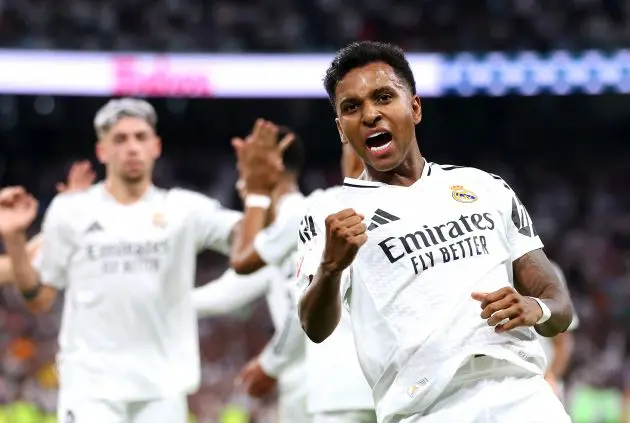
462, 195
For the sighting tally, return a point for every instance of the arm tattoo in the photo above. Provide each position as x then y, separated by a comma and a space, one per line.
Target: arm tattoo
534, 276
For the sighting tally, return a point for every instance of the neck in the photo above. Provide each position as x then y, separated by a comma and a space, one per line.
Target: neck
127, 192
405, 174
287, 185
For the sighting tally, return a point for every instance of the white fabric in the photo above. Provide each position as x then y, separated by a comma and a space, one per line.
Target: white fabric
336, 382
361, 416
231, 292
486, 390
129, 329
163, 410
453, 232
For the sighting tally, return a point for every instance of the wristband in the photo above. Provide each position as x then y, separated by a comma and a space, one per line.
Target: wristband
546, 313
31, 294
258, 200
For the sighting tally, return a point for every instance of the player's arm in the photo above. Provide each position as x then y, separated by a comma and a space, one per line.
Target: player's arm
286, 344
229, 293
563, 345
534, 276
244, 258
269, 245
214, 226
6, 268
320, 304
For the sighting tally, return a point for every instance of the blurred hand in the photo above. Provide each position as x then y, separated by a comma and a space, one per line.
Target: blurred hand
80, 177
260, 157
257, 383
17, 210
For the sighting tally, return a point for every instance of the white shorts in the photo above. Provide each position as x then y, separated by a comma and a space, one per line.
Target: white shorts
482, 391
357, 416
88, 410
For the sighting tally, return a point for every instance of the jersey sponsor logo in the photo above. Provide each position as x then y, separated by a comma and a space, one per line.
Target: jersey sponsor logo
462, 195
94, 227
129, 257
451, 241
307, 229
381, 217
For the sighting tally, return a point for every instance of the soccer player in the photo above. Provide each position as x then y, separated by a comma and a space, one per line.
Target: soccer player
125, 253
559, 349
348, 398
440, 266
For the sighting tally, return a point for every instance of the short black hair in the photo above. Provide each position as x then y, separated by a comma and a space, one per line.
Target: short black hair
293, 157
363, 53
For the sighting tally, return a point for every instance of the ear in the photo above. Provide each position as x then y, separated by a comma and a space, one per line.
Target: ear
157, 151
100, 152
343, 138
416, 109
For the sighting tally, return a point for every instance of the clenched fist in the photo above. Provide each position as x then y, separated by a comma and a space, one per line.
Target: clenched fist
345, 234
18, 209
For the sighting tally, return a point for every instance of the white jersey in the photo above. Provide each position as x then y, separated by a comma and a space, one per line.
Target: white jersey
455, 231
129, 329
547, 343
335, 379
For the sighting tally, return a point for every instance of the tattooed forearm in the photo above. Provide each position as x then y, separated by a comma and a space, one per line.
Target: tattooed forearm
534, 276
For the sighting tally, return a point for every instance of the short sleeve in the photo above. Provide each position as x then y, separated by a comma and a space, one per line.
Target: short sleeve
311, 244
521, 234
277, 241
58, 245
213, 223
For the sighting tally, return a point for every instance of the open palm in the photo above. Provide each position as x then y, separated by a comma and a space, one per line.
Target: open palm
17, 210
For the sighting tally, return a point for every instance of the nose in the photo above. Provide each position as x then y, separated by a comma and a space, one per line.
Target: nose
371, 114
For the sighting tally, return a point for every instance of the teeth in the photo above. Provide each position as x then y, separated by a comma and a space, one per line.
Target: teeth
380, 148
377, 134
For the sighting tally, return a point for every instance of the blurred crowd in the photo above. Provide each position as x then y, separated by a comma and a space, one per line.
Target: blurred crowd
312, 25
582, 218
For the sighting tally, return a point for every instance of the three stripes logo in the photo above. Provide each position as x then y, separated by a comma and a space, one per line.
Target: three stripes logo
94, 227
381, 217
307, 229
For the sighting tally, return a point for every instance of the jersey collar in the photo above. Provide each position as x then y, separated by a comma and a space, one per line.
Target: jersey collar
360, 183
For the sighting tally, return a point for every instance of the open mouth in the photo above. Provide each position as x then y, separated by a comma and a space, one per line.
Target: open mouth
379, 141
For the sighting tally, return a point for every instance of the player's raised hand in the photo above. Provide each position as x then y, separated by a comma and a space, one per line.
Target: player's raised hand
506, 303
80, 177
257, 383
345, 234
259, 156
17, 210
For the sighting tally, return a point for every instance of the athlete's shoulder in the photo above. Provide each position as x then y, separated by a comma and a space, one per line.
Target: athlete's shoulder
463, 175
187, 197
77, 198
322, 202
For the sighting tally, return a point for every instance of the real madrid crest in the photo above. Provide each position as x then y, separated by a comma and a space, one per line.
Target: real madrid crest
159, 220
463, 195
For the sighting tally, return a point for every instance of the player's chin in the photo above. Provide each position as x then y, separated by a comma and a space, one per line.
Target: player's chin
383, 163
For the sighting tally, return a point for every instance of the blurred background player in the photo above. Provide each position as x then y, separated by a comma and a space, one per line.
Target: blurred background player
262, 249
440, 329
348, 398
125, 252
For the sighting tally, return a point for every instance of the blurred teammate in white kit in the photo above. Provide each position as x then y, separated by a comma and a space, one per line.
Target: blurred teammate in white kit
124, 251
337, 390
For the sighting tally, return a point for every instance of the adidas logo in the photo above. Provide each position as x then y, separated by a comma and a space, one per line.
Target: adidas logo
94, 227
381, 217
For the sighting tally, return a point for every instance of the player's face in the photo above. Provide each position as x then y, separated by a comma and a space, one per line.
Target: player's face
377, 115
351, 164
129, 149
